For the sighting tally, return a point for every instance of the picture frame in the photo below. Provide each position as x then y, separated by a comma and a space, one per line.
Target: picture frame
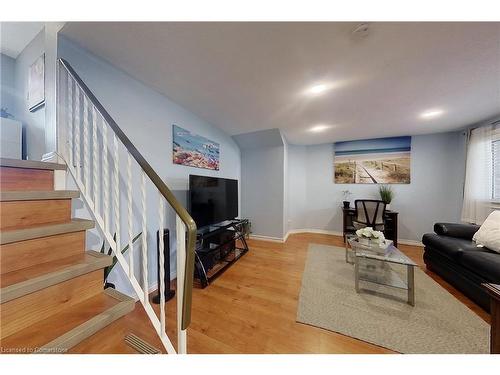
36, 84
373, 161
193, 150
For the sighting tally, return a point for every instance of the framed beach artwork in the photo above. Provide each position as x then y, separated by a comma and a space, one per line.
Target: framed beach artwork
373, 161
193, 150
36, 84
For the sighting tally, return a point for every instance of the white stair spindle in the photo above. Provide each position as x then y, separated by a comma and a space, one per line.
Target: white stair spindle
105, 177
86, 142
130, 217
117, 192
144, 239
71, 109
181, 264
77, 132
95, 161
161, 261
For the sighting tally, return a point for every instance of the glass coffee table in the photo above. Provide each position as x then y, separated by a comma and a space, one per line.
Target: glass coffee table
373, 264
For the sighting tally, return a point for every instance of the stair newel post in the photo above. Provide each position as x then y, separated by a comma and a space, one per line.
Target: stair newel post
181, 267
130, 217
161, 260
144, 239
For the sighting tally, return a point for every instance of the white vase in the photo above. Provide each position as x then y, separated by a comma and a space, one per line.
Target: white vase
388, 206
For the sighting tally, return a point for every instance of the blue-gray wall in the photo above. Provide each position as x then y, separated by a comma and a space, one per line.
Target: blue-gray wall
262, 190
33, 122
434, 194
7, 85
147, 117
263, 176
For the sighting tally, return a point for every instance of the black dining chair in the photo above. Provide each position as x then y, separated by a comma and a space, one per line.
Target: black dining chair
369, 213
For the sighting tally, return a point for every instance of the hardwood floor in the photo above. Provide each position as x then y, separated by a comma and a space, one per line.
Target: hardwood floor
251, 308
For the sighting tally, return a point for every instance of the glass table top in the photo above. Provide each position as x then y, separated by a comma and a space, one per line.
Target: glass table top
391, 254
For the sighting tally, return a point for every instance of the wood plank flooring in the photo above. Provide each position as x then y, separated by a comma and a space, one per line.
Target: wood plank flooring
251, 308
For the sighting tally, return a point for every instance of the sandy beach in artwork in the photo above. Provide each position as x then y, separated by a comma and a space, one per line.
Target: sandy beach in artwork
372, 156
373, 161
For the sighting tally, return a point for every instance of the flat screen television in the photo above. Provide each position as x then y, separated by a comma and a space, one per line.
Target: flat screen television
212, 200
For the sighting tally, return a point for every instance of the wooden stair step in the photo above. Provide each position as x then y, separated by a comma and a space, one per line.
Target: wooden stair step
21, 312
30, 164
62, 331
27, 174
30, 195
31, 279
25, 214
38, 231
23, 254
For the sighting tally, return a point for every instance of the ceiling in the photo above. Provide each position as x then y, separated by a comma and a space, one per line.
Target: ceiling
244, 77
15, 36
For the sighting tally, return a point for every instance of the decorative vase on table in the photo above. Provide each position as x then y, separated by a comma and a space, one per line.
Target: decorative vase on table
371, 238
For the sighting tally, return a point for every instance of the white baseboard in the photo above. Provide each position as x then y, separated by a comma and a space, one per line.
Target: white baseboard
410, 242
266, 238
313, 230
320, 231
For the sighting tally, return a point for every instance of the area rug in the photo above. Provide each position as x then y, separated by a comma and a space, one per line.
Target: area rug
438, 323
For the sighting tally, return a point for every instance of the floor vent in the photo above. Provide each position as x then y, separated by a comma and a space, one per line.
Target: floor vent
140, 345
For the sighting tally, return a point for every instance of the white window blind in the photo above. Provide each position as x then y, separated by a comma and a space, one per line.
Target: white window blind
495, 148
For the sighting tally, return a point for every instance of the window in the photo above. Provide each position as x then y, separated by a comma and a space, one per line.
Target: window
495, 148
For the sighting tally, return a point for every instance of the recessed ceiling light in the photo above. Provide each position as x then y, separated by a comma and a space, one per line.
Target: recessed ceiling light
320, 128
318, 89
432, 113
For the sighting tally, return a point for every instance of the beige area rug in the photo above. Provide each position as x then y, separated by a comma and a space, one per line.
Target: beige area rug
438, 323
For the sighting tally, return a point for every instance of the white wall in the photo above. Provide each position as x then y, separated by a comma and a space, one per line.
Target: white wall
434, 194
146, 117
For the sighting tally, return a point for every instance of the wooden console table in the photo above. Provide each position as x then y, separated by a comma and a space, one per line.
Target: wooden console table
390, 224
494, 292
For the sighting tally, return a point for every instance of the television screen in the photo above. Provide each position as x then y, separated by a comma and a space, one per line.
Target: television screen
212, 200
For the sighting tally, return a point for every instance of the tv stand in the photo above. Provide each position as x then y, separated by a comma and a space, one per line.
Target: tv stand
218, 247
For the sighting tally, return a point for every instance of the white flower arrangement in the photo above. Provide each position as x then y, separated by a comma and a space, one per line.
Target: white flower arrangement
368, 233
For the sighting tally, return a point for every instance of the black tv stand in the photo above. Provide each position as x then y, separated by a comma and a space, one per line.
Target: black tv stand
218, 247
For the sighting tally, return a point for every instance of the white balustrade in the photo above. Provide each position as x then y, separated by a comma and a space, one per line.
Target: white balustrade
94, 169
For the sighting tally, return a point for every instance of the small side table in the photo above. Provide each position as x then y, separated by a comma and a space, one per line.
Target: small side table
494, 292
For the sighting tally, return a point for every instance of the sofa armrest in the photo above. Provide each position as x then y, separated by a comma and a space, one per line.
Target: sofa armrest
465, 231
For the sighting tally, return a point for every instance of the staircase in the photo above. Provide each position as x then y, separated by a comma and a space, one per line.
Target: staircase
51, 289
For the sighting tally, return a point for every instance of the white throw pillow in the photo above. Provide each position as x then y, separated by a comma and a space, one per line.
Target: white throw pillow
488, 234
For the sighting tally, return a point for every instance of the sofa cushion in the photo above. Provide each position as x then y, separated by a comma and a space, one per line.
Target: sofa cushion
489, 233
450, 247
484, 263
465, 231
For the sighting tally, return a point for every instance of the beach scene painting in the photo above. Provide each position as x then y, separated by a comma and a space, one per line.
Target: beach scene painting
193, 150
373, 161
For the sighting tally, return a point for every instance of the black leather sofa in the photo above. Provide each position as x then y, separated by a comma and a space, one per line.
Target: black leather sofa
451, 253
